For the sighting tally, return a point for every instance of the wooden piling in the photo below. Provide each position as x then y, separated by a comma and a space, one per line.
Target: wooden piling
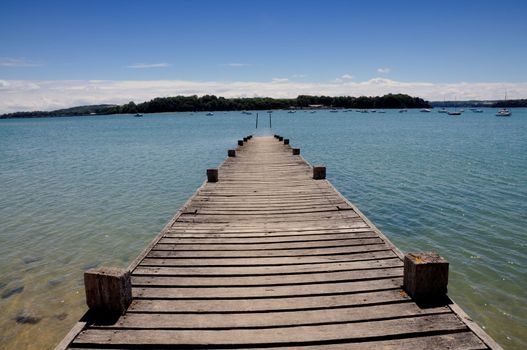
212, 175
231, 153
286, 141
108, 290
296, 151
319, 172
240, 142
425, 276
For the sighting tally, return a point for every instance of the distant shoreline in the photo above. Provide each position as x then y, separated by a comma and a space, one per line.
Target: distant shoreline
209, 103
212, 103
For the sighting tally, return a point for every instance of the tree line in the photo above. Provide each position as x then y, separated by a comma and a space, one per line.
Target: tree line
214, 103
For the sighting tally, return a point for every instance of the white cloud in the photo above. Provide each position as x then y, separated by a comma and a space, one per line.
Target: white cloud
299, 76
148, 65
347, 77
17, 62
16, 95
237, 65
383, 70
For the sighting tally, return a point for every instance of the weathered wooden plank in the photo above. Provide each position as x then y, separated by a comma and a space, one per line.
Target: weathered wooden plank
274, 319
269, 270
164, 245
236, 239
371, 252
280, 335
264, 231
266, 291
185, 281
377, 252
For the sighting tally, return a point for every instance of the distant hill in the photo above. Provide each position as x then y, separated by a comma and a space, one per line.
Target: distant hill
66, 112
213, 103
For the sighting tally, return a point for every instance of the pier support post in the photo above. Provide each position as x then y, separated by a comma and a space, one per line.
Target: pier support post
212, 175
108, 290
231, 153
240, 142
286, 141
296, 151
245, 139
425, 276
319, 172
280, 138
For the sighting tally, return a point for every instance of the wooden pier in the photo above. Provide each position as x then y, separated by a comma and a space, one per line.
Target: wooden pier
270, 255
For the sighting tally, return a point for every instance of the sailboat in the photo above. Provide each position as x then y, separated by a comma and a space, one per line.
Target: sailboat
454, 112
504, 112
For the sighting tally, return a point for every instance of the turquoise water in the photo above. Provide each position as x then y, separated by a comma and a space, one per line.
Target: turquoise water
79, 192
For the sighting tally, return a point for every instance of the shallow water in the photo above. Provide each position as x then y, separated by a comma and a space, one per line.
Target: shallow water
79, 192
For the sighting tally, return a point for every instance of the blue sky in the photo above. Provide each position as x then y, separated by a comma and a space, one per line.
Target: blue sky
298, 44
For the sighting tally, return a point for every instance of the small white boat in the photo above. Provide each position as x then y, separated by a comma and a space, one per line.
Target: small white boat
403, 110
425, 110
333, 111
381, 111
210, 114
442, 110
475, 110
247, 113
138, 115
454, 113
313, 112
291, 112
504, 112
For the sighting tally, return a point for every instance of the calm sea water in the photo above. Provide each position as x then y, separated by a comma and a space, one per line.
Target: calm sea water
84, 191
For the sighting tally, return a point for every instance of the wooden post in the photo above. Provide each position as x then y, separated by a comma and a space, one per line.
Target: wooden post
256, 120
108, 290
231, 153
240, 142
212, 175
286, 141
280, 138
319, 172
425, 276
296, 151
245, 139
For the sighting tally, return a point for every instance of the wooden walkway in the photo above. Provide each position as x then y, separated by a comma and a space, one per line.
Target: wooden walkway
269, 258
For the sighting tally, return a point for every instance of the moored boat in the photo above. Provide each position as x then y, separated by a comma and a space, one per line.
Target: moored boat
504, 112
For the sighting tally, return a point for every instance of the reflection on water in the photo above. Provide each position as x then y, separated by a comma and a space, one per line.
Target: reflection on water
79, 192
